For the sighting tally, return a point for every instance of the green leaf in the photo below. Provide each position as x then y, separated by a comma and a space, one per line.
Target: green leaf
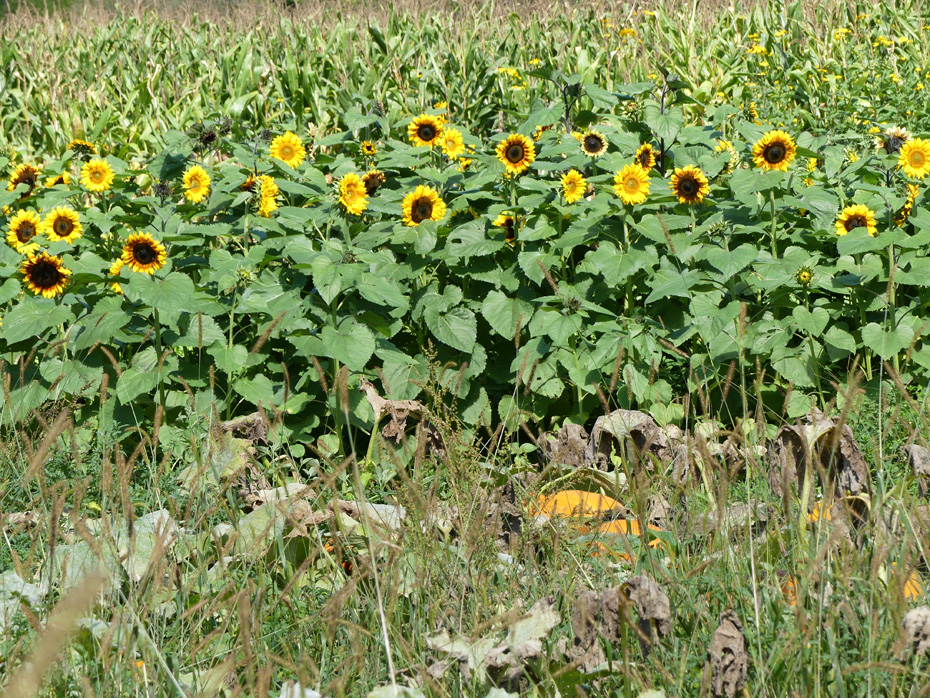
886, 344
32, 316
503, 313
139, 378
839, 343
352, 343
171, 294
229, 359
731, 262
458, 327
813, 322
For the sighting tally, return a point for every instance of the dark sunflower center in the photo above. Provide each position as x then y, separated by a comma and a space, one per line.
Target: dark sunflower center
372, 184
855, 222
774, 153
26, 232
426, 132
687, 186
45, 275
514, 153
593, 144
144, 253
27, 178
422, 209
208, 137
63, 227
893, 145
644, 159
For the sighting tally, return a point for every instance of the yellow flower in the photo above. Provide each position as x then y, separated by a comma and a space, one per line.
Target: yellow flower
267, 196
593, 144
451, 142
369, 148
856, 216
62, 224
196, 184
841, 34
689, 184
627, 32
632, 184
645, 157
774, 151
288, 149
97, 175
811, 164
757, 50
353, 194
912, 191
804, 276
63, 178
45, 275
373, 179
573, 186
424, 130
115, 269
507, 221
82, 147
144, 253
914, 158
423, 204
516, 152
24, 227
24, 174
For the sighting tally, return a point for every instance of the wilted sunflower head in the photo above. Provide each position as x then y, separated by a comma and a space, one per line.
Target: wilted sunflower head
804, 276
573, 186
632, 184
516, 153
689, 184
45, 275
161, 189
892, 139
593, 143
288, 149
208, 137
353, 195
424, 130
774, 151
645, 157
373, 179
24, 174
856, 216
422, 204
144, 253
62, 224
914, 158
24, 227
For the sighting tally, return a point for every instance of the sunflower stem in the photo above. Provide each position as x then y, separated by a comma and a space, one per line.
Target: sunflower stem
158, 348
774, 224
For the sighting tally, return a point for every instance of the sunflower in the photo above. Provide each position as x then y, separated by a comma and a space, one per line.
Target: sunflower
573, 186
45, 275
144, 253
63, 178
249, 183
689, 184
593, 143
82, 147
23, 229
288, 149
912, 191
508, 222
373, 179
423, 204
115, 269
24, 174
268, 196
540, 130
196, 184
353, 195
97, 175
774, 151
369, 148
804, 276
424, 130
451, 142
645, 156
892, 139
631, 184
856, 216
914, 158
723, 145
516, 152
62, 224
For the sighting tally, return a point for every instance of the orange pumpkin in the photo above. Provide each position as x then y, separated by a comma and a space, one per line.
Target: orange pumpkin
575, 504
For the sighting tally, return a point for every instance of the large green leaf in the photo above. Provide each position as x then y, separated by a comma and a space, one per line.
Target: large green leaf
31, 317
504, 313
352, 343
171, 294
457, 327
